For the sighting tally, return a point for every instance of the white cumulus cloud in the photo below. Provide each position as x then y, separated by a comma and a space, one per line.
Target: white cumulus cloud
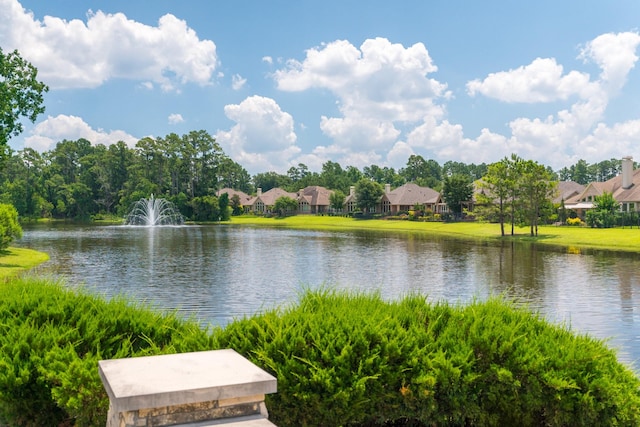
578, 130
379, 86
615, 54
238, 82
46, 134
175, 118
85, 54
540, 81
263, 137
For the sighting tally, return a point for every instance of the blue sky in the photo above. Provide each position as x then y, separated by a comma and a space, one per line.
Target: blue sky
280, 83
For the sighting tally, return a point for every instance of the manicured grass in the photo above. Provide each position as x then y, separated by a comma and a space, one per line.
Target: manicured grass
572, 238
16, 260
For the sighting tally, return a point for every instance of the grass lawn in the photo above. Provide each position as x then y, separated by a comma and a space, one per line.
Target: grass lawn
16, 260
573, 238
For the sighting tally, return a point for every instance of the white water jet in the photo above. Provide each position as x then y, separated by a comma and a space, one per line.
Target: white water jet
153, 212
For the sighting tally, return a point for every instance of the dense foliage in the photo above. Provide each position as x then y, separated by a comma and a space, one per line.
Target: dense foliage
584, 173
51, 340
516, 190
340, 360
360, 360
9, 226
77, 179
284, 205
603, 214
21, 95
368, 194
457, 190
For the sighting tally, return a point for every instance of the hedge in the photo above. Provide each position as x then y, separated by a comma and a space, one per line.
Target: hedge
51, 339
359, 360
340, 359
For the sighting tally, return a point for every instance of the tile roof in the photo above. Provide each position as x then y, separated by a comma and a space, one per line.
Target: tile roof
411, 194
613, 186
269, 198
567, 190
244, 197
315, 195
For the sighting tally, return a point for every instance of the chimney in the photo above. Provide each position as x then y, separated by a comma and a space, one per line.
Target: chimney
259, 191
352, 190
387, 188
627, 172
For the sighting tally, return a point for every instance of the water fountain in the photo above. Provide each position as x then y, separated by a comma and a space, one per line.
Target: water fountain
154, 212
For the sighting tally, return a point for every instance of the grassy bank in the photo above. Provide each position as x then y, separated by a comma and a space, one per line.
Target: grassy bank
17, 260
572, 238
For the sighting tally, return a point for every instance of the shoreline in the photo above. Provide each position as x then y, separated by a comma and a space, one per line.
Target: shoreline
14, 260
573, 239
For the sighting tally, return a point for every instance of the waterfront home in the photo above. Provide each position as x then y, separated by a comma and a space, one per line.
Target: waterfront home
410, 195
625, 189
314, 200
402, 199
567, 190
264, 202
244, 197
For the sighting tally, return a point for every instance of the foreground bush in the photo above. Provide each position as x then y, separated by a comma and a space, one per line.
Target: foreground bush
51, 340
358, 360
340, 360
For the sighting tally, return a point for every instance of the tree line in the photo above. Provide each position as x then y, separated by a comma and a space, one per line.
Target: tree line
77, 179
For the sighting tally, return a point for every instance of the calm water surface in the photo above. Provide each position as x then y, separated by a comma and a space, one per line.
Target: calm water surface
218, 273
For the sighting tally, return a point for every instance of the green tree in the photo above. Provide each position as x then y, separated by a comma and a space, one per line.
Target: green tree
232, 175
298, 173
384, 175
269, 180
236, 204
336, 200
284, 205
225, 209
21, 95
498, 183
604, 210
334, 177
9, 226
353, 175
368, 194
456, 190
205, 156
77, 200
537, 187
423, 172
580, 172
205, 208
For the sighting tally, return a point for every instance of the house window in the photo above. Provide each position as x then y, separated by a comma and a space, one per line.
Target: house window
386, 206
628, 207
259, 206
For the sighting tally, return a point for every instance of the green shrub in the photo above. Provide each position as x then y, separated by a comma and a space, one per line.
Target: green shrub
574, 221
9, 226
340, 360
51, 340
358, 360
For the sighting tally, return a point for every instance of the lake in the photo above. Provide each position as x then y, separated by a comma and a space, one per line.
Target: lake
220, 272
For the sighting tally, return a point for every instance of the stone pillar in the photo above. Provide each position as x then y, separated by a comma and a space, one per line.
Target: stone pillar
175, 389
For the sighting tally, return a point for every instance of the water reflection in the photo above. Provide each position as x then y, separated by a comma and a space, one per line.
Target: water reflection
217, 273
